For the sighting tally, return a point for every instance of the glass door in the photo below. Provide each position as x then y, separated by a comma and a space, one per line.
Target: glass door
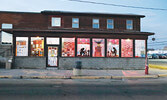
52, 59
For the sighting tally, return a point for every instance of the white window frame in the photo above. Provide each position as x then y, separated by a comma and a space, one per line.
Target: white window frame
110, 23
6, 26
95, 23
75, 23
131, 24
54, 22
26, 51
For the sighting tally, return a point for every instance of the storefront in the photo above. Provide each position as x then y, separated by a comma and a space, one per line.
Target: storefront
61, 50
52, 39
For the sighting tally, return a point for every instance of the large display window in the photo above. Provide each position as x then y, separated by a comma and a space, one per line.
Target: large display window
83, 47
37, 46
68, 47
126, 47
140, 48
21, 46
98, 47
112, 47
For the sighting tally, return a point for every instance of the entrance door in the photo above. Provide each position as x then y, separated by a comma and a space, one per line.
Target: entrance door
52, 59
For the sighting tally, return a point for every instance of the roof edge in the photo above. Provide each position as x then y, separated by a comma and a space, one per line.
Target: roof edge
19, 12
89, 13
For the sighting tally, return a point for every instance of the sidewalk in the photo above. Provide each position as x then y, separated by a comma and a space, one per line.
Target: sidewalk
86, 74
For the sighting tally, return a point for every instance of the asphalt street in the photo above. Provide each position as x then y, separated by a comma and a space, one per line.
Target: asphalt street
162, 62
97, 89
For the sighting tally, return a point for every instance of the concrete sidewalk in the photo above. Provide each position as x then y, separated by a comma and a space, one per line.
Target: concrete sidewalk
86, 74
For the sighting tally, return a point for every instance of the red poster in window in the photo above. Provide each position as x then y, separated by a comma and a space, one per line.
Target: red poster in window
68, 47
83, 47
127, 48
98, 47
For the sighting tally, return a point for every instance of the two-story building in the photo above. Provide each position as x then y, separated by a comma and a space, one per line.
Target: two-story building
58, 39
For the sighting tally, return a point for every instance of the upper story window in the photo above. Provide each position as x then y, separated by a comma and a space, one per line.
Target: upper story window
75, 22
110, 24
56, 22
7, 26
95, 23
129, 24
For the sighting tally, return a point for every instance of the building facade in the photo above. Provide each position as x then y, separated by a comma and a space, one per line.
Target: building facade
58, 39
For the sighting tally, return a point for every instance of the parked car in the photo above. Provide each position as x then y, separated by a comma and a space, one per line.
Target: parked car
162, 56
155, 56
149, 56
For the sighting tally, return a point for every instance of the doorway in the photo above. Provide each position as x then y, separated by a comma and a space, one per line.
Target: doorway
52, 56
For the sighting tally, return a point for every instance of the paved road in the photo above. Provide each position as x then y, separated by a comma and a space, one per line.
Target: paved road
162, 62
47, 89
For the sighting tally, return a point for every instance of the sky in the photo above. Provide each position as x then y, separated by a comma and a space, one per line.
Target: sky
155, 20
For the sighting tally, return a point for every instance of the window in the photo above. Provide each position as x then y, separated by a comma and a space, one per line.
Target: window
140, 48
129, 24
126, 47
6, 37
37, 46
54, 41
95, 23
56, 21
98, 48
21, 46
112, 47
83, 47
75, 23
68, 47
110, 24
7, 26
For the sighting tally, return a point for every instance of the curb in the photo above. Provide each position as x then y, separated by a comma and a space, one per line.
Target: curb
91, 77
114, 77
162, 75
157, 66
84, 77
7, 77
44, 77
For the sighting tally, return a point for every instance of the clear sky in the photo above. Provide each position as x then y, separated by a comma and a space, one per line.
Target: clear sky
155, 20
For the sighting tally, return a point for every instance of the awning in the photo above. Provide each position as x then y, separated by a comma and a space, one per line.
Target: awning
78, 31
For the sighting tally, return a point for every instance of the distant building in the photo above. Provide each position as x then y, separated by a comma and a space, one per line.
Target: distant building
58, 39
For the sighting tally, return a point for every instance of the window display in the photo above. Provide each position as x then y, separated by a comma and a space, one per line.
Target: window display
37, 46
21, 46
68, 47
126, 47
112, 47
54, 41
140, 48
83, 47
98, 47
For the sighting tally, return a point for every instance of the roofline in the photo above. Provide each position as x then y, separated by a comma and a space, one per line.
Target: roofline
48, 12
19, 12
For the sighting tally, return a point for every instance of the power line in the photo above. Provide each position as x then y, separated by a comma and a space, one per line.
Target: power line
160, 42
111, 4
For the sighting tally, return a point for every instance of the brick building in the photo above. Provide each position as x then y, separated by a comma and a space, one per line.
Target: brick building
59, 39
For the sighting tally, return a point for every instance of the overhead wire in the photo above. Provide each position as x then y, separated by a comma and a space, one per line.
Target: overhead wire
117, 5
